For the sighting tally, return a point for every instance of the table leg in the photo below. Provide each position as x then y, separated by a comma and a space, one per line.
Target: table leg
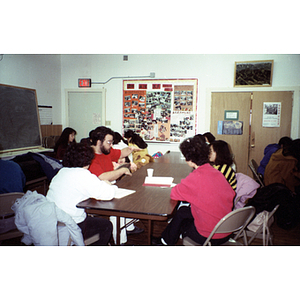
149, 231
118, 231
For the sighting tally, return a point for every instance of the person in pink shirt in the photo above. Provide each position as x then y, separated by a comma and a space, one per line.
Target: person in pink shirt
209, 194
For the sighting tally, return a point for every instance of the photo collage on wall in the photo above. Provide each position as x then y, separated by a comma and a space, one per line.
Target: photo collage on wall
161, 111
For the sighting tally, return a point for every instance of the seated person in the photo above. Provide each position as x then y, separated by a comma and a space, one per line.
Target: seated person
102, 165
208, 192
221, 159
66, 138
269, 150
140, 158
12, 178
284, 167
75, 183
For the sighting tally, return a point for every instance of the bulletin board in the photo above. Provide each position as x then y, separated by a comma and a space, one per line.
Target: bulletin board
161, 110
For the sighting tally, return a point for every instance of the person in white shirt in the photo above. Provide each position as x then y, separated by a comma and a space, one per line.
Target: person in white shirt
75, 183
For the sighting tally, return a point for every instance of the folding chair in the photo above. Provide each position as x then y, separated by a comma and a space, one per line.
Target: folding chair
8, 229
263, 231
235, 221
253, 167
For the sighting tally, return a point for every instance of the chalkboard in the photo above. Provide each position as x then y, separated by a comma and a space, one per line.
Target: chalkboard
19, 118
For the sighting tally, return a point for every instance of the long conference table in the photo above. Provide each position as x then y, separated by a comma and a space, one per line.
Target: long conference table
150, 203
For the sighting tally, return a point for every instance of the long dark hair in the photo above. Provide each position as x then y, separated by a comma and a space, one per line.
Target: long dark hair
135, 139
224, 156
64, 138
118, 138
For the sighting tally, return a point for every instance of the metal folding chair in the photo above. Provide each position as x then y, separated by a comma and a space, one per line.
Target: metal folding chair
263, 231
235, 221
253, 167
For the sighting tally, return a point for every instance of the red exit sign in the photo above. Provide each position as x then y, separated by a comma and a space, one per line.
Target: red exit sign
84, 82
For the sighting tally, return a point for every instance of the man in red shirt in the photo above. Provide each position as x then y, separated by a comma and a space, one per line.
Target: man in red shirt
102, 164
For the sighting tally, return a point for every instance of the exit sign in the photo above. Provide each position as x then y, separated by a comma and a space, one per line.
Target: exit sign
84, 82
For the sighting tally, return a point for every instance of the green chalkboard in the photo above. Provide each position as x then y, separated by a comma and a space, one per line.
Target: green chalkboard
19, 118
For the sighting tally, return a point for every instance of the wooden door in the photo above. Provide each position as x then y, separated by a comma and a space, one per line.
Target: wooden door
262, 136
239, 143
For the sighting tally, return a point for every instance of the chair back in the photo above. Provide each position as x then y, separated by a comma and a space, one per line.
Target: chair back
8, 228
234, 221
253, 167
6, 202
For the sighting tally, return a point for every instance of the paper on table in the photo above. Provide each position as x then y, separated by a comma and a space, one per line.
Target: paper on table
120, 193
158, 181
172, 185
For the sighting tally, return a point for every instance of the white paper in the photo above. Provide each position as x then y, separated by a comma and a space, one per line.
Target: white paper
45, 113
120, 193
159, 180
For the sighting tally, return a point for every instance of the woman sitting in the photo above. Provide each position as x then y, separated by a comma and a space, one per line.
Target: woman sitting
209, 194
66, 138
220, 158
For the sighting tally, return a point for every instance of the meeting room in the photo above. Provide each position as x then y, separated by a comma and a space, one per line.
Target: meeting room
139, 111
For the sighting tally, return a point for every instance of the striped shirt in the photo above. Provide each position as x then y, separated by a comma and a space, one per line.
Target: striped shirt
229, 174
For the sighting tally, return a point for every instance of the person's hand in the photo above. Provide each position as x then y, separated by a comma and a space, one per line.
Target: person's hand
133, 167
116, 165
127, 171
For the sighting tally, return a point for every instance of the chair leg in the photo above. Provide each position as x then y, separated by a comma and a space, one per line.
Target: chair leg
245, 239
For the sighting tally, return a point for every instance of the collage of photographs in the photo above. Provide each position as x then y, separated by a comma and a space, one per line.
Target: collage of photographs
165, 115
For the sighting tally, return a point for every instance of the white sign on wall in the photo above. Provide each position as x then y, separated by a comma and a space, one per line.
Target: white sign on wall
271, 114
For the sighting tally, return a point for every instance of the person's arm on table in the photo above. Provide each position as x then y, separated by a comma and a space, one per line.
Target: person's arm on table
115, 174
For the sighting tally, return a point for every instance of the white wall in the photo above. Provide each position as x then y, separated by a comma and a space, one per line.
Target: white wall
39, 72
214, 72
52, 75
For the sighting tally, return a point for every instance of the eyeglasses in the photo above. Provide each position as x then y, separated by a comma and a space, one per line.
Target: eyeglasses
109, 142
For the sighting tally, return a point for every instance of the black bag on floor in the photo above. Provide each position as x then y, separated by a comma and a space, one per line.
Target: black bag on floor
266, 198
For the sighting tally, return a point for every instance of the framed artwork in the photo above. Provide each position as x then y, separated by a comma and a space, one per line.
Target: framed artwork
253, 73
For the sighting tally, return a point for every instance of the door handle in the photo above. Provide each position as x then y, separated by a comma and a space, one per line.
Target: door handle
252, 143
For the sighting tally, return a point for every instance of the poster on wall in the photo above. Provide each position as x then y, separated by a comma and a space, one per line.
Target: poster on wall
230, 127
45, 113
271, 114
160, 110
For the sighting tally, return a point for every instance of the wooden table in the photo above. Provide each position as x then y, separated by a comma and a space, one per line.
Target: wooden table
148, 202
